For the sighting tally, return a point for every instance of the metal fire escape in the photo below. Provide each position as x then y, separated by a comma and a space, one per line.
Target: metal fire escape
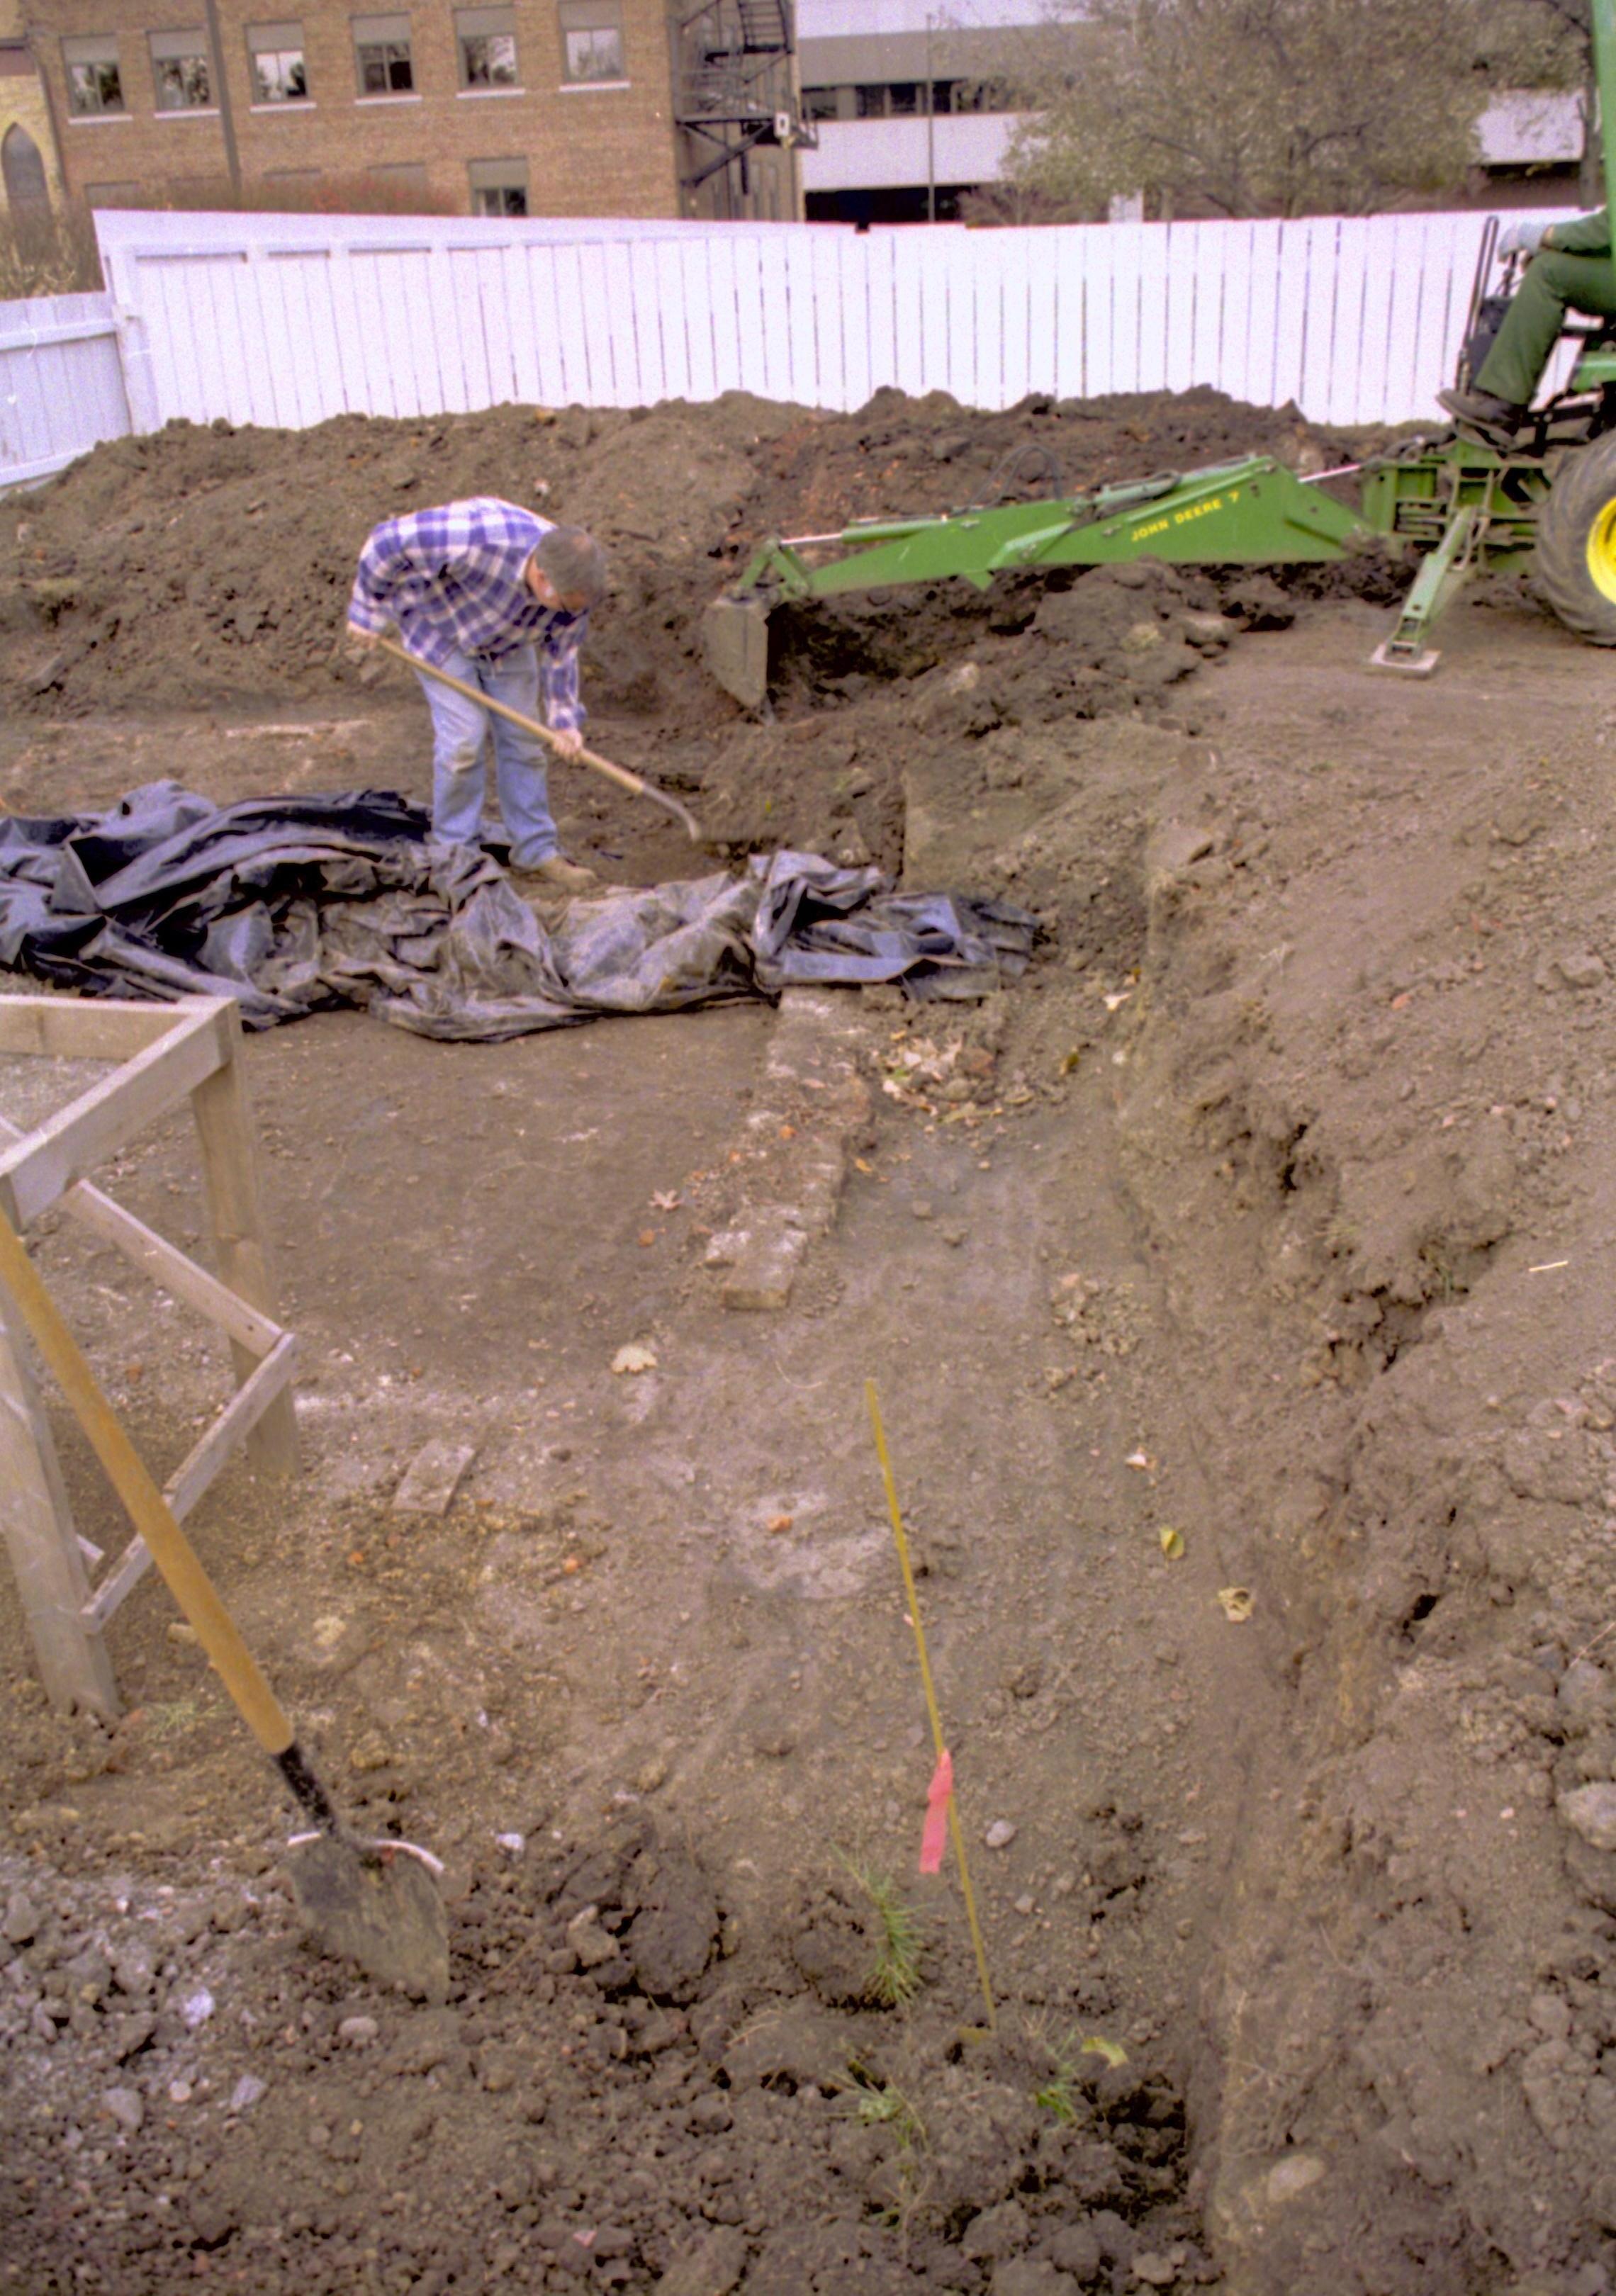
735, 90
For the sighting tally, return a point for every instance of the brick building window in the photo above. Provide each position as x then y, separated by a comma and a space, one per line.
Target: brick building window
295, 189
381, 50
94, 84
182, 70
279, 73
592, 40
400, 189
499, 187
486, 40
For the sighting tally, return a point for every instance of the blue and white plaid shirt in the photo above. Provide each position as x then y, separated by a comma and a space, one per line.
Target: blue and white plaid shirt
452, 579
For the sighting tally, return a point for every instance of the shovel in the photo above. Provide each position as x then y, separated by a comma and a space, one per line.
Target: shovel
620, 775
375, 1903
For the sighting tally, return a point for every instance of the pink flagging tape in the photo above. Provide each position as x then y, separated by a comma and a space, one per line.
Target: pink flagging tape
940, 1793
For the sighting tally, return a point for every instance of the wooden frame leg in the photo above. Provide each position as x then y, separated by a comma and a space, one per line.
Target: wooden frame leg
36, 1523
224, 1125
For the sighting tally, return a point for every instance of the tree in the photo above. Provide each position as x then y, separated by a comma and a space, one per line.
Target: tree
1269, 107
1568, 34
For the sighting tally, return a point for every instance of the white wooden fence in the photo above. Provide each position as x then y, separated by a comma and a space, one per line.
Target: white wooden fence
62, 386
286, 320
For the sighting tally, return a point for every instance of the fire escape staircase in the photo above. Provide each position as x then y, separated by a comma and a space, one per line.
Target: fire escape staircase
733, 86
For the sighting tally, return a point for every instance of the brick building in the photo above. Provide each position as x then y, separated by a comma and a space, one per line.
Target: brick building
29, 174
533, 107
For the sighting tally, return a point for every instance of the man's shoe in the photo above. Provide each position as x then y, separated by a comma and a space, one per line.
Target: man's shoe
1497, 420
556, 875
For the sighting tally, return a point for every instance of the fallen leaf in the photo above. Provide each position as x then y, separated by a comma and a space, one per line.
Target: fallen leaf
1172, 1542
571, 1564
778, 1522
788, 1132
634, 1357
1095, 2045
1236, 1603
1140, 1459
648, 1237
860, 1166
667, 1199
1120, 998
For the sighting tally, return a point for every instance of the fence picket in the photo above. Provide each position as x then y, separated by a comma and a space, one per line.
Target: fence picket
909, 274
1155, 354
1385, 371
1317, 317
864, 263
723, 302
1066, 268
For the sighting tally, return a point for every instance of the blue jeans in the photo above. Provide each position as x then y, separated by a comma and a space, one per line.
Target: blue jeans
459, 732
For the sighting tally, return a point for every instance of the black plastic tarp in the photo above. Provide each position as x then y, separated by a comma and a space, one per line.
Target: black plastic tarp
291, 904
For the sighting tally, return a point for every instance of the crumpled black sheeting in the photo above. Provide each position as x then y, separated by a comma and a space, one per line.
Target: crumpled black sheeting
290, 904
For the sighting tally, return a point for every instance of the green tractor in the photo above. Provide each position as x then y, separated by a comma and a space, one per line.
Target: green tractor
1547, 504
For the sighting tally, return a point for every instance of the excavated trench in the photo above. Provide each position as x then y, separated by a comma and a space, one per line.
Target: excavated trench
1239, 1221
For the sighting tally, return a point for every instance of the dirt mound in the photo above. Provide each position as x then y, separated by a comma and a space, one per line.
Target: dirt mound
209, 566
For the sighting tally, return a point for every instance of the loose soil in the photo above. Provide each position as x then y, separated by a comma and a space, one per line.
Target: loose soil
1237, 1291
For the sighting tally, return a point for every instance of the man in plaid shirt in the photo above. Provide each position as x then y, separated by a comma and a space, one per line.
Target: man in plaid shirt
501, 598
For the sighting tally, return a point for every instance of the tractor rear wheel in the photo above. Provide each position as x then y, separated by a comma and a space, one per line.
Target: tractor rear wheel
1574, 560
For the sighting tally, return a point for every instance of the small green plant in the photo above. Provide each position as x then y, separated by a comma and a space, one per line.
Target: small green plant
887, 2107
1059, 2093
884, 2105
895, 1979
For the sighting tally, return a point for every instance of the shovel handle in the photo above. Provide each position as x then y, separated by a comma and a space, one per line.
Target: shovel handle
620, 775
152, 1517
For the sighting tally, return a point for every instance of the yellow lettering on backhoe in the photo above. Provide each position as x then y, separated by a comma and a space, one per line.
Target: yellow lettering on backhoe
1181, 517
1198, 510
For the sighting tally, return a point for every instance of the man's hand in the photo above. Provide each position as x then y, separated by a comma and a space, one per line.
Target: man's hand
359, 650
1522, 239
567, 740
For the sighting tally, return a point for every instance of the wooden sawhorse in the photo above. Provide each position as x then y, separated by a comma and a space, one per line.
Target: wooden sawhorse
169, 1052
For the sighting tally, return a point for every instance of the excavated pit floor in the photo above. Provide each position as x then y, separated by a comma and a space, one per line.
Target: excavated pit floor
1272, 1216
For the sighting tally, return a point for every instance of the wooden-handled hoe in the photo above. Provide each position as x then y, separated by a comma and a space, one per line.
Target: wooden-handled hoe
633, 782
374, 1902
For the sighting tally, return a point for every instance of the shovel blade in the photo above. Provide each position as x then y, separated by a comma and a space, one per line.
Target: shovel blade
735, 637
378, 1906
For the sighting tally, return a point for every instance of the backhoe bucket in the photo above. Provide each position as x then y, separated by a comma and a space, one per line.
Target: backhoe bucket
734, 637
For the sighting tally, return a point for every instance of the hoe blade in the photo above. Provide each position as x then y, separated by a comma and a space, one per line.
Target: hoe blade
376, 1904
735, 635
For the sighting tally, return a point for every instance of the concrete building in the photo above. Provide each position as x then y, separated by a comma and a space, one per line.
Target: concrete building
531, 107
900, 97
30, 173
